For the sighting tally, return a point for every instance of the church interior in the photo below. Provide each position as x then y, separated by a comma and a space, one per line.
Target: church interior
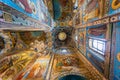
59, 40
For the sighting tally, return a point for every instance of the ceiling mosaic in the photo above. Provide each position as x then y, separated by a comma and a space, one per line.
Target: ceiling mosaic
61, 36
62, 9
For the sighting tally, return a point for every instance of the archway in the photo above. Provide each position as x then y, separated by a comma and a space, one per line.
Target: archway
72, 77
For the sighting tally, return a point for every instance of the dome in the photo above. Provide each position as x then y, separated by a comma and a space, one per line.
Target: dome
62, 36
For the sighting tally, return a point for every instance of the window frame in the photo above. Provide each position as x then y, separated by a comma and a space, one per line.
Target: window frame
92, 47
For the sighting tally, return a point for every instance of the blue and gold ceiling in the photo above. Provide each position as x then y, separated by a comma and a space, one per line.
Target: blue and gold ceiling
57, 9
62, 9
61, 36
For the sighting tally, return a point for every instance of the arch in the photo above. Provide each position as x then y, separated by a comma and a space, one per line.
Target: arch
72, 74
72, 77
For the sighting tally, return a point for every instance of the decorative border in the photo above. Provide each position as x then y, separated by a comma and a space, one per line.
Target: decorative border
68, 73
105, 20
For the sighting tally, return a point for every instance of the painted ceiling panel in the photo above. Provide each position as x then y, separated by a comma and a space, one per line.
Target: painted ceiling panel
62, 9
66, 36
57, 9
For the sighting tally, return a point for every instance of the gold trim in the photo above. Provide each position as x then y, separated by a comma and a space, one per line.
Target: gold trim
114, 5
118, 56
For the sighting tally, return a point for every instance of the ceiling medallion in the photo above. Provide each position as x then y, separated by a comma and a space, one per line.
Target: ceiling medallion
62, 36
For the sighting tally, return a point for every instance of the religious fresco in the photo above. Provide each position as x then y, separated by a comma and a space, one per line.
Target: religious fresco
22, 21
114, 7
95, 15
62, 9
69, 64
22, 54
5, 43
57, 10
93, 10
12, 65
28, 7
97, 31
71, 61
45, 15
49, 5
36, 35
66, 4
82, 40
89, 11
65, 64
49, 13
80, 3
34, 9
100, 60
78, 19
15, 41
77, 4
37, 70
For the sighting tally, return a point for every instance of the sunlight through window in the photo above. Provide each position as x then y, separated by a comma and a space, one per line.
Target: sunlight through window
97, 45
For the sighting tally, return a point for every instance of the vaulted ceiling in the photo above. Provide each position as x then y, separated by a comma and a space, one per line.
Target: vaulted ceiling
62, 9
62, 12
62, 36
